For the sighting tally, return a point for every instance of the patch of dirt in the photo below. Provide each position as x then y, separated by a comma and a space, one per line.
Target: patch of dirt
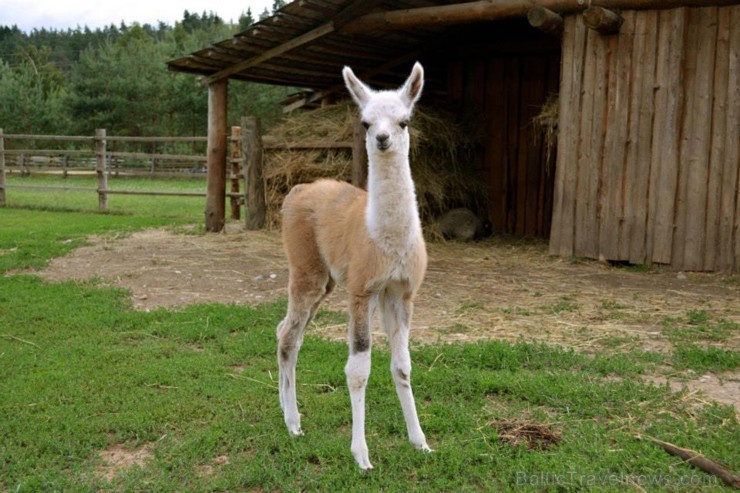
723, 388
500, 288
117, 459
209, 469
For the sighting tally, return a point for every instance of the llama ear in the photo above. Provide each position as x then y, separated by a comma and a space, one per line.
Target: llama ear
411, 90
359, 91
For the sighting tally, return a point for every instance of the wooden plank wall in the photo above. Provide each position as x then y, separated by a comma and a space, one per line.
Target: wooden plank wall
648, 165
509, 89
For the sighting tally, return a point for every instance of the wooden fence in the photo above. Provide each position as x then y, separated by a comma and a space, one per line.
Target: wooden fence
98, 155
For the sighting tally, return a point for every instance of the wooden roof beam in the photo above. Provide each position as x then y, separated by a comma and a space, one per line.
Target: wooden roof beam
487, 10
272, 53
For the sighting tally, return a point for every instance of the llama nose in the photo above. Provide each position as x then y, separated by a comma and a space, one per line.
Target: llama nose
382, 140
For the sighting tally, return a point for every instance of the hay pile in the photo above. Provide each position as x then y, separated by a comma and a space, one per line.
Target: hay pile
546, 128
442, 152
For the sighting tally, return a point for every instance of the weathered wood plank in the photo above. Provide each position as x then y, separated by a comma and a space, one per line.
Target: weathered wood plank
687, 127
613, 162
574, 46
732, 145
557, 234
641, 115
666, 128
589, 158
715, 186
696, 137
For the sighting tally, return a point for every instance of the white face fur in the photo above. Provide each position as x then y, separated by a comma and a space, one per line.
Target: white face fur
386, 114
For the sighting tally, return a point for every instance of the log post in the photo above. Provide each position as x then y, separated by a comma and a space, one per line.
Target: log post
100, 144
602, 20
254, 186
359, 156
216, 156
545, 20
235, 176
2, 169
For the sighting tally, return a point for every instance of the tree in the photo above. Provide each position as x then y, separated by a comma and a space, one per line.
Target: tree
246, 20
28, 102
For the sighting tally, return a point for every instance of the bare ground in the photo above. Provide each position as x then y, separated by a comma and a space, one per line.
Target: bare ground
501, 288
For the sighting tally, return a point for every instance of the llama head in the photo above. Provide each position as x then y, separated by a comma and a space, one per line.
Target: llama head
385, 114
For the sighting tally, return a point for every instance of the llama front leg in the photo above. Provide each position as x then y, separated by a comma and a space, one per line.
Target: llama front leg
396, 317
358, 373
290, 338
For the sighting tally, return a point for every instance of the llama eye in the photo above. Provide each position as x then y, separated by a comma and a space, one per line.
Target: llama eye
365, 124
404, 124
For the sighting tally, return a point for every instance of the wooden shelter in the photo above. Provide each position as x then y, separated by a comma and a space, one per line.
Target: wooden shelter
648, 160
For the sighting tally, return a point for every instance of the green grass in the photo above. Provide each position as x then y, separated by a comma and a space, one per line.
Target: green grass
698, 326
703, 359
81, 372
162, 206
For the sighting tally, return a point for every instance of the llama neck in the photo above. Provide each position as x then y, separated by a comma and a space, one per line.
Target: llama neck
392, 216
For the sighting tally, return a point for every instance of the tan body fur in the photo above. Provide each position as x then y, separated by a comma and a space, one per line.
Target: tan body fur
332, 241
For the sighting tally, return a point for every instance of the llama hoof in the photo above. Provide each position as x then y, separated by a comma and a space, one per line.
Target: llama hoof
294, 429
423, 447
363, 459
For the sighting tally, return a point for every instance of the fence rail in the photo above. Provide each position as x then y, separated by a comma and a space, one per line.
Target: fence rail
103, 159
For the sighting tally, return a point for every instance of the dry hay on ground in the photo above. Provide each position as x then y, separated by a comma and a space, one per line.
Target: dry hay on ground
534, 436
441, 157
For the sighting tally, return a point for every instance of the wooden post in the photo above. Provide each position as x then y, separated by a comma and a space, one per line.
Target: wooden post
359, 157
602, 20
254, 186
545, 20
216, 156
234, 157
100, 144
2, 169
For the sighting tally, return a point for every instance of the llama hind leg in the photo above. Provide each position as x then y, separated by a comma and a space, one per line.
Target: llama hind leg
395, 315
302, 307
